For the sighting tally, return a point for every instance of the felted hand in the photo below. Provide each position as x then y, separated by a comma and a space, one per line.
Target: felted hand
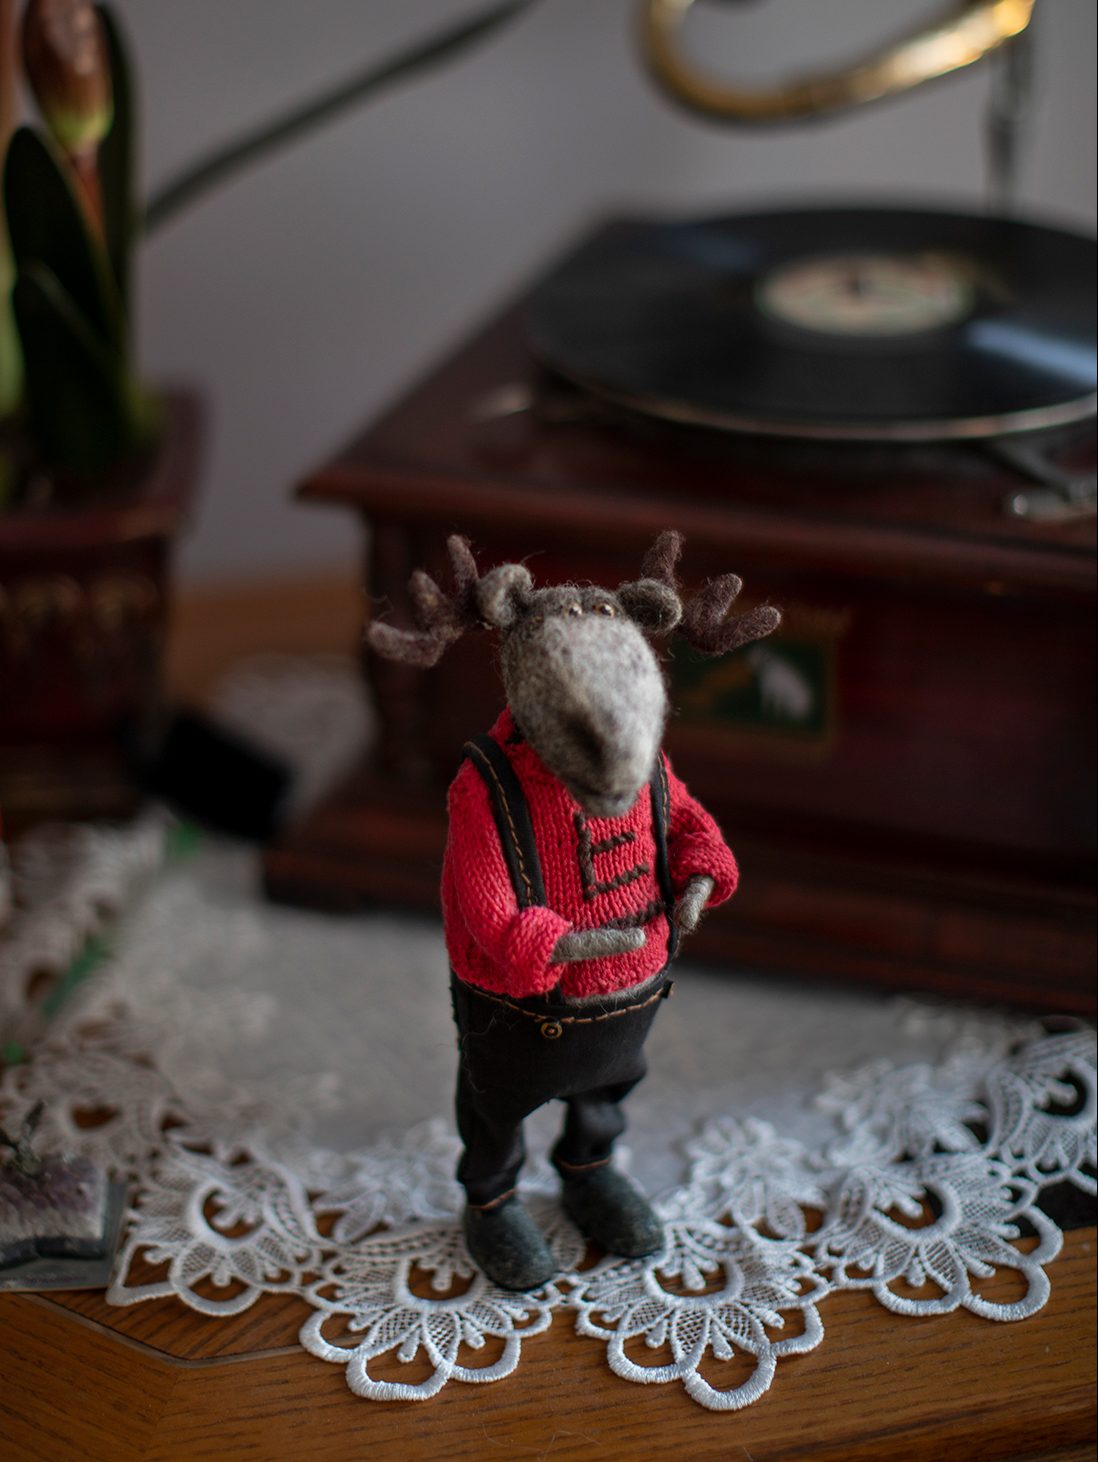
596, 944
694, 898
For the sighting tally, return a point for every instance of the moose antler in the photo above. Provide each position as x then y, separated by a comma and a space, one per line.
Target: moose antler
492, 602
440, 618
706, 623
504, 595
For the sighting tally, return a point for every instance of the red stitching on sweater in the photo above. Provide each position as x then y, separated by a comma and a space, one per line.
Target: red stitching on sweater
621, 880
585, 851
638, 919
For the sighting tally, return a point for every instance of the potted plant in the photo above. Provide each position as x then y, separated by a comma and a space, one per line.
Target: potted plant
97, 471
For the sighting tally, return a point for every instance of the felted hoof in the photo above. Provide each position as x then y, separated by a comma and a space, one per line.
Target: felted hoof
506, 1244
609, 1209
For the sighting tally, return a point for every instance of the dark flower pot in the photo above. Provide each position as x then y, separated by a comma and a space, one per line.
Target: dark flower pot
84, 598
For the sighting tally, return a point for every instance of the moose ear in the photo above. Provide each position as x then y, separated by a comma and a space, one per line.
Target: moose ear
651, 604
503, 593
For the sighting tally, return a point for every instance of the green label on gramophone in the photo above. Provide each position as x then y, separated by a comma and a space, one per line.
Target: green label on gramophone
784, 684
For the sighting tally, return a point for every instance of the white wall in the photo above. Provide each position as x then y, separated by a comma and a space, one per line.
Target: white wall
304, 296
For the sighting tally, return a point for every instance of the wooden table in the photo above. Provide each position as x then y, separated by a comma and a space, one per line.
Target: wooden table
80, 1379
83, 1380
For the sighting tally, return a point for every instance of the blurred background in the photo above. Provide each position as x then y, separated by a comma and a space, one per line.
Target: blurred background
937, 657
307, 294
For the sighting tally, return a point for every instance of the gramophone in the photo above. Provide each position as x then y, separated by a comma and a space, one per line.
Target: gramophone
884, 417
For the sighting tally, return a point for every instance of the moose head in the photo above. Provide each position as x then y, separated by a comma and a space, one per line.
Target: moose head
582, 681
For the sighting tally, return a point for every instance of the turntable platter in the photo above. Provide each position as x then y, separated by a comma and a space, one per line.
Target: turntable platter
855, 323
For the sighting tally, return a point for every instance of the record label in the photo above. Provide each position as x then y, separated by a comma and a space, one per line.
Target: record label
869, 294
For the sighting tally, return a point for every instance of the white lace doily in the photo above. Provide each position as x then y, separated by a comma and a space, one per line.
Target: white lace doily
276, 1085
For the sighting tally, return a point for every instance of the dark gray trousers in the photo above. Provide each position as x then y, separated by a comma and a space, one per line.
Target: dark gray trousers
516, 1055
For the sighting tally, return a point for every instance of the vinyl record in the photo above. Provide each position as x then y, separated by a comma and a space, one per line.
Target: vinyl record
845, 323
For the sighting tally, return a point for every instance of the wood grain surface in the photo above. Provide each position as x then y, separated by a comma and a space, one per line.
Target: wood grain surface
157, 1382
216, 625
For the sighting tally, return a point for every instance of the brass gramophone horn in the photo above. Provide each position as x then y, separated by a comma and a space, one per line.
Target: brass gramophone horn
968, 32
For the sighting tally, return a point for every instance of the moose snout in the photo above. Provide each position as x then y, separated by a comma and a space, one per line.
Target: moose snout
590, 699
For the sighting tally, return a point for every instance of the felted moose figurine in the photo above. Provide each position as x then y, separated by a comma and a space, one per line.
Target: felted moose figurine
575, 858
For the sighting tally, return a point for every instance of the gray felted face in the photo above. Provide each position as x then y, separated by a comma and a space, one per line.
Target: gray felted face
586, 690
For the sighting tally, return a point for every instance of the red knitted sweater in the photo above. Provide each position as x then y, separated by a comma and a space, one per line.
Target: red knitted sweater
596, 870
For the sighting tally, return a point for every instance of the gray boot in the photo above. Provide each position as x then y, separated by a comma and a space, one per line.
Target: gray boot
506, 1244
606, 1207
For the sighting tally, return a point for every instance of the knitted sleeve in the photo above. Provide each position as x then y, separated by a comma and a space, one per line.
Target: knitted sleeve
695, 845
514, 945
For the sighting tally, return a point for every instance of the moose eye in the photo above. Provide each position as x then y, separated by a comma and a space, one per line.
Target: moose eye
574, 609
608, 610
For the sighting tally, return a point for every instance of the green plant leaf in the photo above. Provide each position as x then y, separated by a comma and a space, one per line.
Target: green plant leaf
85, 412
9, 476
11, 361
116, 165
47, 225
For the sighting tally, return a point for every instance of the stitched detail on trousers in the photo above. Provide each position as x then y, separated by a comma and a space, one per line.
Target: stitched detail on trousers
582, 1167
542, 1016
493, 1202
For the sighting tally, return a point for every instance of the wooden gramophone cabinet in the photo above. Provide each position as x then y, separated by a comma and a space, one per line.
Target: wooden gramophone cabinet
906, 771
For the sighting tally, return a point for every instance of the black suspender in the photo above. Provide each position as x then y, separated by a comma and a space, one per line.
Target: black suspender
512, 818
661, 816
516, 834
